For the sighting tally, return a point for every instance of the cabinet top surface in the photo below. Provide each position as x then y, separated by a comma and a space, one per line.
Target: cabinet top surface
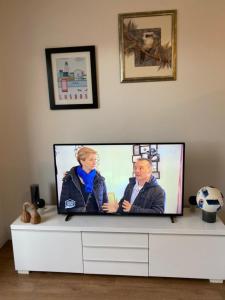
190, 223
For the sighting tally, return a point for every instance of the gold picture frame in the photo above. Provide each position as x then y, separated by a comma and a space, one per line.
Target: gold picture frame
147, 42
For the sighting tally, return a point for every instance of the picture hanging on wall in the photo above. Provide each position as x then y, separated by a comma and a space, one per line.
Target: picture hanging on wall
148, 46
72, 77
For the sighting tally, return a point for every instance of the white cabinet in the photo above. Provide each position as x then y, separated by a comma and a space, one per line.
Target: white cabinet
138, 246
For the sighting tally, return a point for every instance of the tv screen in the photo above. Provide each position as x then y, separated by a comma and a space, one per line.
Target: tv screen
120, 179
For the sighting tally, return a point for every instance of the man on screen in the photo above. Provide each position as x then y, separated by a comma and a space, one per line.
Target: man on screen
142, 195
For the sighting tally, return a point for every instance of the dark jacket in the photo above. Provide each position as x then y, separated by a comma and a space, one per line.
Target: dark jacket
150, 200
73, 200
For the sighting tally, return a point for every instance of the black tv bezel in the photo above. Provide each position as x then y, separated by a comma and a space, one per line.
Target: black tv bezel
115, 214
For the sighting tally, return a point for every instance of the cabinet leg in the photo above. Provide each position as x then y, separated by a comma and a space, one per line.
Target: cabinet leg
216, 280
25, 272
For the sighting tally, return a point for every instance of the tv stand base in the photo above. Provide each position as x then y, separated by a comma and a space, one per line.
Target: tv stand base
115, 245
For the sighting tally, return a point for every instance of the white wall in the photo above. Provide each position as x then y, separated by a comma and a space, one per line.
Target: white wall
190, 109
2, 124
2, 224
2, 237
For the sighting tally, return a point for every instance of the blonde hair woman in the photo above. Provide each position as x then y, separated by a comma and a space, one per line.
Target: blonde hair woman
83, 188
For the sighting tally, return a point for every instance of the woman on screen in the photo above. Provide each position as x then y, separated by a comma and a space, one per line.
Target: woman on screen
83, 188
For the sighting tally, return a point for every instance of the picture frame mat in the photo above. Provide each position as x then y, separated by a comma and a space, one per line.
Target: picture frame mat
70, 55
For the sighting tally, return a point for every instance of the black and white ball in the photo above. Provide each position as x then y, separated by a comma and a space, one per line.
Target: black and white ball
209, 199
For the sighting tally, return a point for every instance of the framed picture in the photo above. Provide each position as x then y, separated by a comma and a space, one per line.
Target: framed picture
145, 155
155, 158
153, 151
154, 166
154, 146
156, 174
145, 148
72, 77
148, 46
136, 149
135, 158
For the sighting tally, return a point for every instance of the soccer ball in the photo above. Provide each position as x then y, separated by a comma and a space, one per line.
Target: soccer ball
209, 199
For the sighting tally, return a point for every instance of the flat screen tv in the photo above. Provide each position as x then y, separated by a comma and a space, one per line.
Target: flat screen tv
120, 179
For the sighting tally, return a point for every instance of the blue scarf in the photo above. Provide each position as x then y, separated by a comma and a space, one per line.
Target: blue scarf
88, 178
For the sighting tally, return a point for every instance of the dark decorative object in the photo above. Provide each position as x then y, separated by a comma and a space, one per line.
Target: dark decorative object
40, 203
35, 198
192, 200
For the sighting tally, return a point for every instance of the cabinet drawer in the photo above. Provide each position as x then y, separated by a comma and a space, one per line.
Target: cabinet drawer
116, 268
131, 240
115, 254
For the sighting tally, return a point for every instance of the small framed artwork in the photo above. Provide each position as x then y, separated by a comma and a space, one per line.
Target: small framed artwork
153, 151
145, 148
72, 77
136, 149
156, 174
147, 43
145, 155
154, 166
155, 158
135, 158
154, 146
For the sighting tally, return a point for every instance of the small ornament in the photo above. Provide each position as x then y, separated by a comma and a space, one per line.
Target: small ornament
30, 214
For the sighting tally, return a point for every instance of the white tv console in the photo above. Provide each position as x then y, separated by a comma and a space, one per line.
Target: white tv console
137, 246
